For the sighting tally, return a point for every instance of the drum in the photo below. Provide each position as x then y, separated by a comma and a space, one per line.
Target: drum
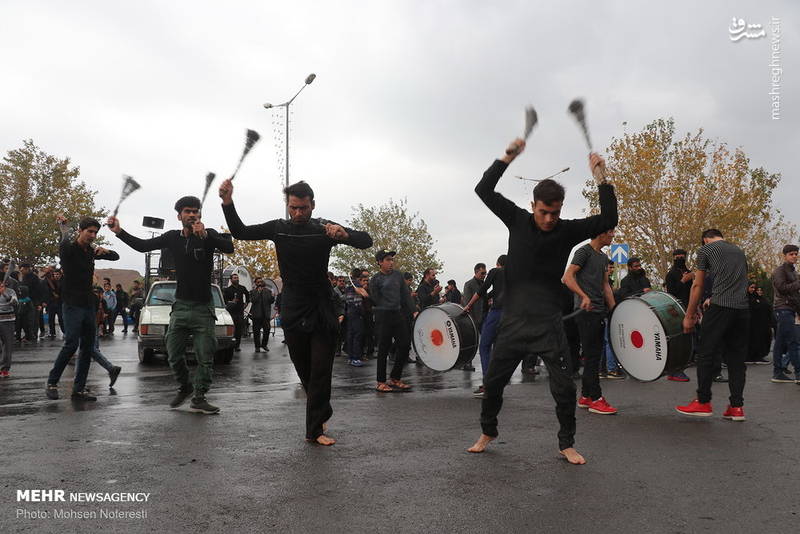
244, 276
646, 333
445, 337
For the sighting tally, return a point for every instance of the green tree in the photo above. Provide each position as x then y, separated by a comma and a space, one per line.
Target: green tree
670, 190
392, 227
34, 188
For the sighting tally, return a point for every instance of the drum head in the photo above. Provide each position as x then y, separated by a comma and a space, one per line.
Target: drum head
436, 340
638, 339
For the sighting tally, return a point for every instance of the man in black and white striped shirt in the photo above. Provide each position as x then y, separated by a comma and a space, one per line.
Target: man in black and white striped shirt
725, 324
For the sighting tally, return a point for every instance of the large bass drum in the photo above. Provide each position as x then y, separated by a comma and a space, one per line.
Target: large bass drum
646, 333
445, 337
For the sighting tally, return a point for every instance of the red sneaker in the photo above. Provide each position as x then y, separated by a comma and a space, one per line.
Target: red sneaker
584, 402
697, 408
734, 413
602, 407
5, 374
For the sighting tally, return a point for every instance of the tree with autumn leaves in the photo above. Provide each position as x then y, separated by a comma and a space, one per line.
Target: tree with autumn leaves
35, 187
669, 190
392, 227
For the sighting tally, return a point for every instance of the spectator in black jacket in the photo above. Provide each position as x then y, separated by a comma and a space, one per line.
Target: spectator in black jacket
236, 296
261, 313
636, 281
53, 300
123, 301
451, 293
428, 289
678, 280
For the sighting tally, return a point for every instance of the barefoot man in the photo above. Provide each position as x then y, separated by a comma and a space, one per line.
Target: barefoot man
303, 246
539, 245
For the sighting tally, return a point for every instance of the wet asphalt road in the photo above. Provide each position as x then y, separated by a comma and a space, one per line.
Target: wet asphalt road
400, 464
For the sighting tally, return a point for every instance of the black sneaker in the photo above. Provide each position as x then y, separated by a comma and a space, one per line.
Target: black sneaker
781, 379
183, 393
720, 378
201, 405
83, 395
602, 374
51, 391
113, 375
469, 367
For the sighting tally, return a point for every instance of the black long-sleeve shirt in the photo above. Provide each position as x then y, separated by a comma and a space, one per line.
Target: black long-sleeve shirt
676, 288
496, 280
194, 258
536, 259
77, 266
303, 252
425, 294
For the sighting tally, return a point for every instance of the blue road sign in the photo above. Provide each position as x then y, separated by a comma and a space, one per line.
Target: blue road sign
620, 252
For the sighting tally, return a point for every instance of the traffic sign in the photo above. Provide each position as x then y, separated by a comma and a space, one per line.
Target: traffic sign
620, 252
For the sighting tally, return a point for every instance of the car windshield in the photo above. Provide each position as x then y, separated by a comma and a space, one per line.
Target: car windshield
164, 295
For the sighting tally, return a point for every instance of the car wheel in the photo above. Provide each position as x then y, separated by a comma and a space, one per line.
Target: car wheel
223, 357
145, 355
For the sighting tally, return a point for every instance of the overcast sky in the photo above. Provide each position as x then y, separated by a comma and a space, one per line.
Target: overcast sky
413, 99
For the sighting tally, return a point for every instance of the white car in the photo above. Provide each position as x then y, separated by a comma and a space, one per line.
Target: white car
154, 321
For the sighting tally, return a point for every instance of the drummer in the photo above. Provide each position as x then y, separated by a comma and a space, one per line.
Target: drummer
539, 245
587, 277
393, 306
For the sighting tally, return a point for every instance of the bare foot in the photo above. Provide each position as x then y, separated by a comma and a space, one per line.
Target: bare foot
572, 456
481, 444
325, 440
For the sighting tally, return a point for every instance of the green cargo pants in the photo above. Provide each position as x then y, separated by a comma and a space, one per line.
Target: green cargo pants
195, 319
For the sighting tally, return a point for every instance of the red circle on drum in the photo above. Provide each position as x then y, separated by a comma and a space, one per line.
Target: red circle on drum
637, 339
437, 338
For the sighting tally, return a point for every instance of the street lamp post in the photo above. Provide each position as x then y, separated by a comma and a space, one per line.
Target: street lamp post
310, 78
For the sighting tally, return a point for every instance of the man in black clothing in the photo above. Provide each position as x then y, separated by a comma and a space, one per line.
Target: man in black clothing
636, 282
539, 245
236, 297
678, 280
80, 327
471, 286
393, 305
53, 300
429, 289
192, 248
123, 301
308, 310
451, 293
261, 312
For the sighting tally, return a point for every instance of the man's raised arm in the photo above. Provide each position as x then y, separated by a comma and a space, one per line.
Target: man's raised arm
607, 218
139, 245
500, 205
235, 225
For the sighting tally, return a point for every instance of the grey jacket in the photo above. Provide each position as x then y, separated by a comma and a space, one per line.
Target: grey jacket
787, 288
8, 304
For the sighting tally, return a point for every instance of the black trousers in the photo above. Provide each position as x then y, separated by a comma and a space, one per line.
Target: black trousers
312, 356
238, 328
724, 337
53, 311
518, 337
392, 326
591, 326
260, 324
